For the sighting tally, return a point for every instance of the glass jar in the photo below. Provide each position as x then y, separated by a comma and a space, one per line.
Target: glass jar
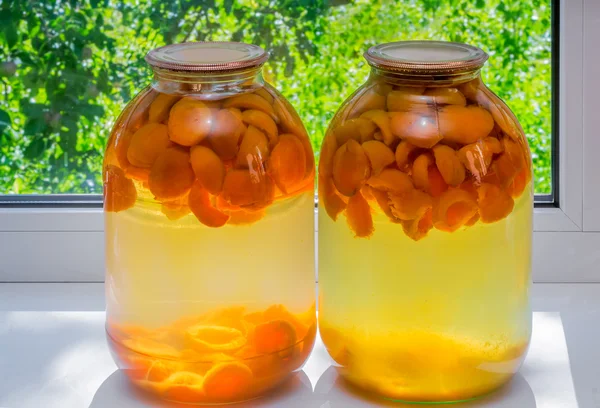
210, 297
425, 229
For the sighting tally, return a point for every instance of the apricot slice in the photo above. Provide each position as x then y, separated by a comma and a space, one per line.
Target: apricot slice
184, 386
383, 200
419, 128
379, 155
418, 228
358, 215
464, 124
350, 168
446, 96
205, 338
201, 207
494, 203
287, 164
226, 132
254, 148
190, 122
329, 198
263, 122
449, 165
403, 153
119, 191
406, 100
410, 205
226, 381
171, 175
453, 209
244, 187
274, 336
265, 95
358, 129
160, 107
250, 101
208, 168
382, 120
147, 143
391, 180
366, 101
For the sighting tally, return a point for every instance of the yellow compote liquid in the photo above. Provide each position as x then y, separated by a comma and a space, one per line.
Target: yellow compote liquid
165, 277
443, 319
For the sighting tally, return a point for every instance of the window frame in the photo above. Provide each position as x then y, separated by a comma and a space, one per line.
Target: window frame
42, 242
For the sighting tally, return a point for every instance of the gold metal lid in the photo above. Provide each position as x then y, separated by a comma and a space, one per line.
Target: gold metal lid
426, 57
207, 56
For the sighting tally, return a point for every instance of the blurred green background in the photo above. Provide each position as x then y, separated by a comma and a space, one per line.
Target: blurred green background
67, 68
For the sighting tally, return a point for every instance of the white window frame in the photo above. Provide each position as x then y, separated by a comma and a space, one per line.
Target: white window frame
67, 244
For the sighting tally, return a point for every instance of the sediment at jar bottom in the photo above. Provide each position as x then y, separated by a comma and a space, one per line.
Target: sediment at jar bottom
214, 158
440, 158
226, 355
422, 366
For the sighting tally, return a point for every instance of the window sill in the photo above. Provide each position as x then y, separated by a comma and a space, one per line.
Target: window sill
54, 354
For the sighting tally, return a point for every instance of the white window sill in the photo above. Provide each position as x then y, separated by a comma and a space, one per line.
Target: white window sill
54, 355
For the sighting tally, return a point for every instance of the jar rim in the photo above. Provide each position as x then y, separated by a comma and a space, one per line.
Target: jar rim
207, 56
426, 57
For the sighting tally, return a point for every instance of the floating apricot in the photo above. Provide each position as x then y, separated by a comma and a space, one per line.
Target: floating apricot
449, 165
367, 193
160, 107
402, 154
274, 336
147, 143
176, 209
200, 205
519, 183
242, 187
410, 205
254, 148
437, 184
184, 386
329, 198
359, 129
383, 200
263, 122
160, 370
119, 191
453, 209
379, 155
262, 92
250, 101
171, 175
420, 171
464, 124
208, 168
391, 180
226, 132
190, 121
122, 142
226, 381
358, 215
214, 338
446, 96
494, 203
350, 168
419, 128
370, 99
287, 164
382, 119
477, 157
418, 228
406, 99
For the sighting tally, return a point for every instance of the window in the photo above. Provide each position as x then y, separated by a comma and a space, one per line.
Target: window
68, 68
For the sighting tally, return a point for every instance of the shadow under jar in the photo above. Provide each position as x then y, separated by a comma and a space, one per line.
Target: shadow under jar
425, 229
210, 297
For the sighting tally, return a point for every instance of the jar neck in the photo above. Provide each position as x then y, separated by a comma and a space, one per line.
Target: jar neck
411, 79
222, 83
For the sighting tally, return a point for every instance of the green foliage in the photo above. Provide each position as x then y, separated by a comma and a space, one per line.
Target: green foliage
68, 67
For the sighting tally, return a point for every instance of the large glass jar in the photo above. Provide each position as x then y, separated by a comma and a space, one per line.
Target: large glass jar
425, 228
209, 206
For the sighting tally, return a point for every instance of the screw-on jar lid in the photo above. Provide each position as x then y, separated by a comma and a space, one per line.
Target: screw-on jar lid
207, 56
426, 57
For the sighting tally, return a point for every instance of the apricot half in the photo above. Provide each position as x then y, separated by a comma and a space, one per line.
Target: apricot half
119, 191
417, 229
464, 124
359, 129
406, 99
274, 336
453, 209
351, 168
227, 381
329, 198
214, 338
200, 205
410, 205
382, 119
370, 99
147, 143
379, 155
358, 215
494, 203
403, 153
391, 180
254, 148
248, 187
160, 107
287, 164
226, 132
421, 128
263, 122
446, 96
171, 175
190, 122
208, 168
250, 101
449, 165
